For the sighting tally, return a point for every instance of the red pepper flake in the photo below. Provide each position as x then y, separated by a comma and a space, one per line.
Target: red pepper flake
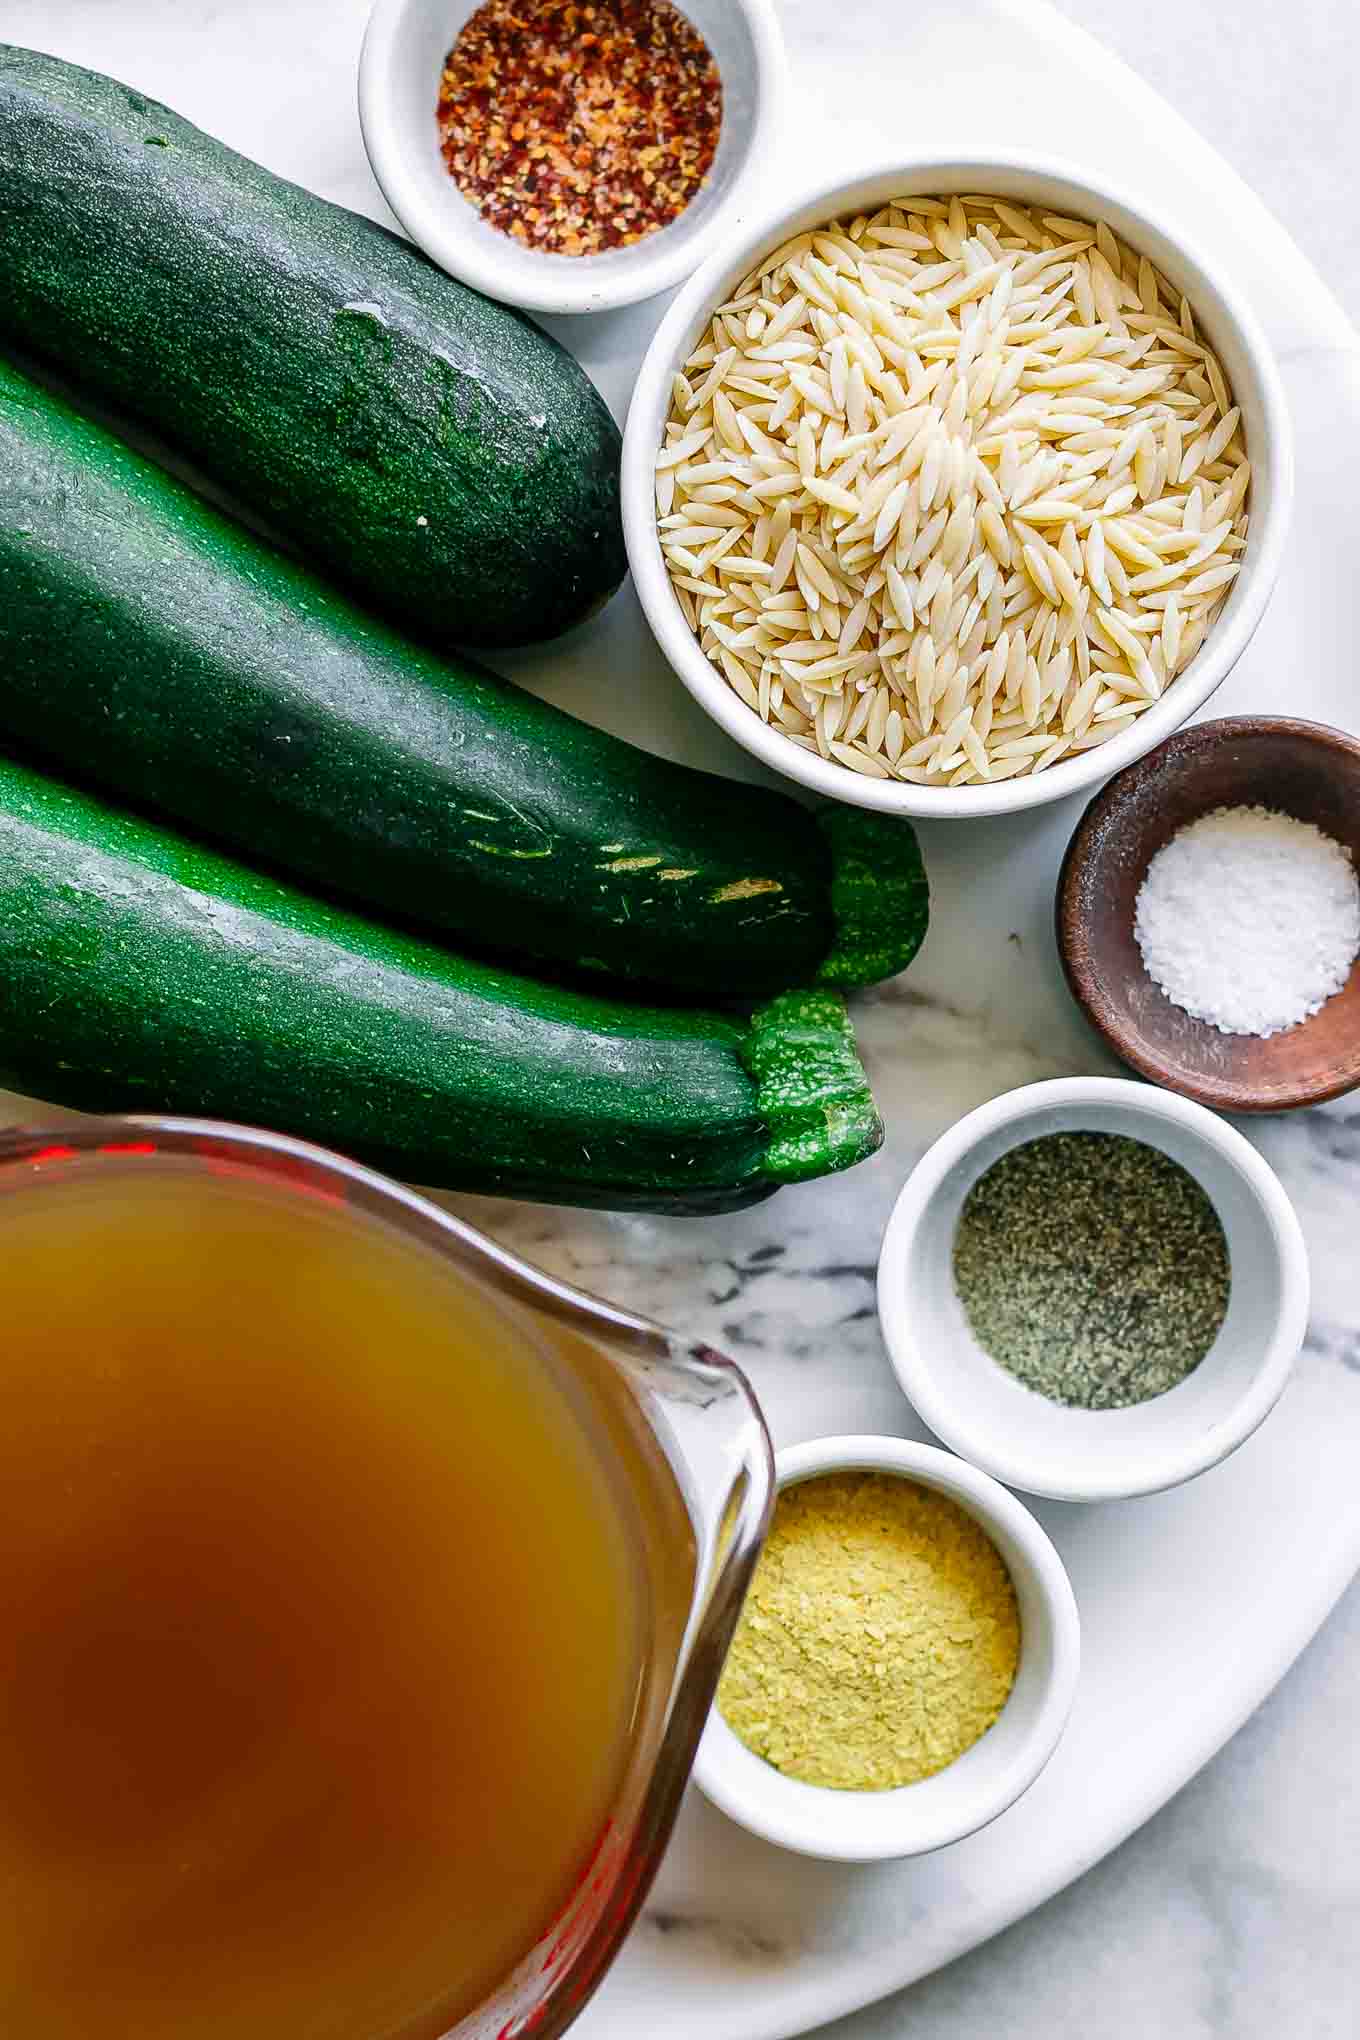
554, 116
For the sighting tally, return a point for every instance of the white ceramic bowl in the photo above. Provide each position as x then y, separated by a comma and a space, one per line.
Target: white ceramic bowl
399, 72
1018, 1435
1230, 326
864, 1827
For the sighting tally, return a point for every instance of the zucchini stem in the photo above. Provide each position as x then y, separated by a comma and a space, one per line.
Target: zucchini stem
812, 1092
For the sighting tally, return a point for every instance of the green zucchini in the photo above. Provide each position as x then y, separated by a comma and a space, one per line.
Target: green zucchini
139, 971
433, 450
155, 647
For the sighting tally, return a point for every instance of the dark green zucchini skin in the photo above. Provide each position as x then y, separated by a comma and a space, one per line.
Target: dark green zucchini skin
141, 972
152, 646
435, 451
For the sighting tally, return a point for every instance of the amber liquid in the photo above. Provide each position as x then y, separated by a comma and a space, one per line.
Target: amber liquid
322, 1618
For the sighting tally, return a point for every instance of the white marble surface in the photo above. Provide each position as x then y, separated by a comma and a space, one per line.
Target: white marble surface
1232, 1914
1272, 87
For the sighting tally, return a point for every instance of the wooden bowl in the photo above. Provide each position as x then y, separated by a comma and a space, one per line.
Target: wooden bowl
1303, 769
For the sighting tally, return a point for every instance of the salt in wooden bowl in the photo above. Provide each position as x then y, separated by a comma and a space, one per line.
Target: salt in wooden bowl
1307, 770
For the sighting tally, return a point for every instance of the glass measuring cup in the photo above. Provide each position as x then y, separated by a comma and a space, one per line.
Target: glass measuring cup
675, 1422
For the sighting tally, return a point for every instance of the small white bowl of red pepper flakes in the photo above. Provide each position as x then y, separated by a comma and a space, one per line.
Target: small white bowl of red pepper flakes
570, 155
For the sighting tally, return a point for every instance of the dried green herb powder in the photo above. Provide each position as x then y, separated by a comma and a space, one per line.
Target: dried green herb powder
1093, 1268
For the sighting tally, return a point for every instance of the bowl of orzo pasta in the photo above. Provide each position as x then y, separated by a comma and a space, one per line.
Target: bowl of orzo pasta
957, 487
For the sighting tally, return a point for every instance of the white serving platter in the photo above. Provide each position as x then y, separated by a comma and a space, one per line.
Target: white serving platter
1193, 1603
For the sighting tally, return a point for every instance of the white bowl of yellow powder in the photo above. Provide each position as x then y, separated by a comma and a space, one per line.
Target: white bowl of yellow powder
905, 1662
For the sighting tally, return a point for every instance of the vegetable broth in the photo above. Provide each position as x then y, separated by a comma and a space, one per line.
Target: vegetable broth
325, 1622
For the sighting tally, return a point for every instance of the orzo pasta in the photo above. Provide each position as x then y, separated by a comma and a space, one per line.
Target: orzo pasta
953, 491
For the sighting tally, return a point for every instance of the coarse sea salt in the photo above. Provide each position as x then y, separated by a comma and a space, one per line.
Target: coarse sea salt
1249, 919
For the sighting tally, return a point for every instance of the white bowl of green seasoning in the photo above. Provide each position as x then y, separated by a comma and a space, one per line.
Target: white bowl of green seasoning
1093, 1289
909, 1618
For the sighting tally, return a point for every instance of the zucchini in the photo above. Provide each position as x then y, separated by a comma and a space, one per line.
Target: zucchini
155, 647
433, 450
140, 972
